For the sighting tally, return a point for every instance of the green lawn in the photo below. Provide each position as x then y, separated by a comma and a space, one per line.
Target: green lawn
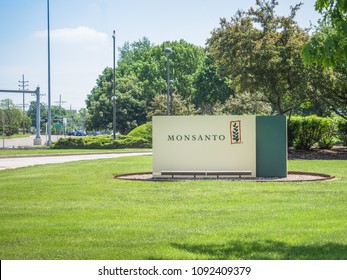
78, 211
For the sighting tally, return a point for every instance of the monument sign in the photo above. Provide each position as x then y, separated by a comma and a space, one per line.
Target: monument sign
223, 145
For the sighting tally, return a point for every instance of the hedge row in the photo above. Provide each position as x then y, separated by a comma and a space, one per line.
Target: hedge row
140, 137
312, 131
101, 142
303, 133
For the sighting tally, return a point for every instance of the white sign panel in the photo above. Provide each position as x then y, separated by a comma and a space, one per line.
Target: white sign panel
204, 143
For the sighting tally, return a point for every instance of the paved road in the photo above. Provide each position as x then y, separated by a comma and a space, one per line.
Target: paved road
24, 142
16, 162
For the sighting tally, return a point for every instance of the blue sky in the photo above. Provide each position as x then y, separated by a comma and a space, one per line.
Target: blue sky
81, 37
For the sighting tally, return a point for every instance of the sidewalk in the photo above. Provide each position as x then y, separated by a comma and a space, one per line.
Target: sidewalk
24, 142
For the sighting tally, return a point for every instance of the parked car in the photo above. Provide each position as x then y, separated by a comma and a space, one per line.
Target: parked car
80, 133
71, 132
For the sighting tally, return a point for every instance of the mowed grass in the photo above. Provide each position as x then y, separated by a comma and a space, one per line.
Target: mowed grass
78, 211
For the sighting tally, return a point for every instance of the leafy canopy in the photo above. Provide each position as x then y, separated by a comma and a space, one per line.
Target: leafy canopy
328, 45
261, 53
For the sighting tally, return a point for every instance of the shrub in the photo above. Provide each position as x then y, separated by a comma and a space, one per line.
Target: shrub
326, 138
293, 130
342, 130
102, 142
304, 132
68, 143
143, 131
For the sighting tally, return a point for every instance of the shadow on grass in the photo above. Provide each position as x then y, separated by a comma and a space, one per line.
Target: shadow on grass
266, 250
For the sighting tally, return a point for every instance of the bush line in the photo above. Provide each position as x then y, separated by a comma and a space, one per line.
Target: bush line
140, 137
304, 133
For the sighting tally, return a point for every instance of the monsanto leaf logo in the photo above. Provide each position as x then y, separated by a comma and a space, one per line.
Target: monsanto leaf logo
235, 132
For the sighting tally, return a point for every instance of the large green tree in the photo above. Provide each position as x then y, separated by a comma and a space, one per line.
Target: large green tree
141, 76
10, 117
329, 88
328, 45
130, 105
210, 87
327, 48
149, 64
135, 60
261, 52
185, 61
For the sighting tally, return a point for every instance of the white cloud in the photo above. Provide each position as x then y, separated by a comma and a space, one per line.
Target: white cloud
78, 57
75, 35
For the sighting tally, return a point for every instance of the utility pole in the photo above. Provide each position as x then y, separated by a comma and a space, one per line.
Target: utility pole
22, 85
60, 102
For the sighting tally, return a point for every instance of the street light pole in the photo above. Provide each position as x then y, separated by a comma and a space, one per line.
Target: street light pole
168, 85
168, 52
114, 98
49, 115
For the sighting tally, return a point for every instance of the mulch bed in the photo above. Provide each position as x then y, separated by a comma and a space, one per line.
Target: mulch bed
292, 177
336, 153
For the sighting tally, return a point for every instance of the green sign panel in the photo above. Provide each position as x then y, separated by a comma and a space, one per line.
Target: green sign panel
271, 146
57, 126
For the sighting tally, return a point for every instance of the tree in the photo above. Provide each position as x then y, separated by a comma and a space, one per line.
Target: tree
261, 52
180, 107
130, 106
98, 102
12, 117
32, 113
246, 104
209, 87
131, 54
185, 61
141, 76
135, 59
328, 45
330, 86
327, 48
57, 115
148, 63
